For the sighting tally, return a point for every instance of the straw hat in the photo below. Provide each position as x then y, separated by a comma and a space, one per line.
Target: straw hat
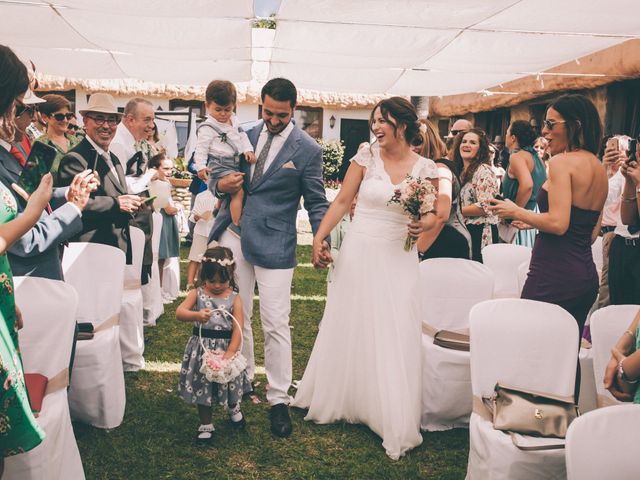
101, 103
31, 98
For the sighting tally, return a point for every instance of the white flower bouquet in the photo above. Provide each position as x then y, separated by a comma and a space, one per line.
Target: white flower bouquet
417, 197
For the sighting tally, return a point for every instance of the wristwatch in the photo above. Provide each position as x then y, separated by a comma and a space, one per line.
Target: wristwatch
622, 375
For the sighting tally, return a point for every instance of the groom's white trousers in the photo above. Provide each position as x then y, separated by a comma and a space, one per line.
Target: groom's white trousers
274, 287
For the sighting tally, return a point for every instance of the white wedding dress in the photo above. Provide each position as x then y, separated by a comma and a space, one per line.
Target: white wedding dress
366, 363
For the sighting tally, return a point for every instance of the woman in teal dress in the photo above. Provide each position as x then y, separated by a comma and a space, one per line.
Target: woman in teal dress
525, 175
19, 431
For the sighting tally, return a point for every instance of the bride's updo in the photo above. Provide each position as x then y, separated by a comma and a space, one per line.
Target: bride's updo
402, 112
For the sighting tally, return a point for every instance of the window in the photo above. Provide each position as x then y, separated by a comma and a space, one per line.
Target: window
198, 106
309, 119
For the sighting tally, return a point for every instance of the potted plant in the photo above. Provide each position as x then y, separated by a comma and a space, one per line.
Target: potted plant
181, 177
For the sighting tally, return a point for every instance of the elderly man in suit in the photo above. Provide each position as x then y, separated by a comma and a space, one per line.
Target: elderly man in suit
288, 167
108, 211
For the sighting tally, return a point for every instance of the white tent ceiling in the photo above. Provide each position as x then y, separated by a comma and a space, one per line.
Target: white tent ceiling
408, 47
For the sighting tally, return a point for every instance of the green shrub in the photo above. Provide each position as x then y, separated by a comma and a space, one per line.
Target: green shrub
332, 155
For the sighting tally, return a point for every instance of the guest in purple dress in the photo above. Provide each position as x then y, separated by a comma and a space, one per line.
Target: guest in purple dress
570, 202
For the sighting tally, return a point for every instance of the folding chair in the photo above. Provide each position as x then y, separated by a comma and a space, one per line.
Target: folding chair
524, 344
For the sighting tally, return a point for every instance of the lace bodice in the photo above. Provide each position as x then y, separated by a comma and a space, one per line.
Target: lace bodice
373, 211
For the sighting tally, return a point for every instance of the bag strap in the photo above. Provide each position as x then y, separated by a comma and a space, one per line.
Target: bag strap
228, 314
534, 448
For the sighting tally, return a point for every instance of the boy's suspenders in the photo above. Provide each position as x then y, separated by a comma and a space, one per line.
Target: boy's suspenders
221, 134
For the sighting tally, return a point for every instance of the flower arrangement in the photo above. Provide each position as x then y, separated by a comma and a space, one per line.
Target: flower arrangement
417, 197
218, 369
213, 365
332, 155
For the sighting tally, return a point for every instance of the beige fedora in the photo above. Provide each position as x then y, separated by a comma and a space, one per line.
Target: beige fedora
101, 103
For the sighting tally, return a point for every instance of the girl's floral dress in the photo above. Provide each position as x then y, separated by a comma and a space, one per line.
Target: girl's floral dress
19, 431
482, 188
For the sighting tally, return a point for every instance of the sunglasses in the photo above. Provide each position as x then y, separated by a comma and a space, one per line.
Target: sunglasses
550, 123
100, 120
30, 109
60, 117
75, 128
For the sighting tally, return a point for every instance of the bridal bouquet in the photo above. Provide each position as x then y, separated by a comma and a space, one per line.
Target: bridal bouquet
417, 197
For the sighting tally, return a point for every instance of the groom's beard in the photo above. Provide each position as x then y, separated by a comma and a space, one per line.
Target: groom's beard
276, 130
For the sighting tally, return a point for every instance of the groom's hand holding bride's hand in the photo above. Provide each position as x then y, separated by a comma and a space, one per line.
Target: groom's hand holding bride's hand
321, 254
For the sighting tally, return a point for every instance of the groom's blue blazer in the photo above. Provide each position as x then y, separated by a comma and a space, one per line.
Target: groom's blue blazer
269, 215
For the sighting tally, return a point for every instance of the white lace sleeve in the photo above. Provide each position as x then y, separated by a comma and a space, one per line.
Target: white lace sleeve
429, 169
364, 157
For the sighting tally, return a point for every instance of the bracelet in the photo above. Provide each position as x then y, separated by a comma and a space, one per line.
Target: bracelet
628, 199
622, 375
629, 332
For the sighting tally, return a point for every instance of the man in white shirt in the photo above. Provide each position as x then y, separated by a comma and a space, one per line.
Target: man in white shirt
131, 147
288, 167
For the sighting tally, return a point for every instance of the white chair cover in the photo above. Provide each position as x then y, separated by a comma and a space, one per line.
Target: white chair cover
49, 311
604, 444
97, 393
171, 278
504, 259
607, 326
524, 344
523, 272
151, 292
131, 310
596, 250
449, 287
588, 392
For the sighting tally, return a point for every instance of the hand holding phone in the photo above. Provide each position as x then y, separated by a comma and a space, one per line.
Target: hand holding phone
39, 163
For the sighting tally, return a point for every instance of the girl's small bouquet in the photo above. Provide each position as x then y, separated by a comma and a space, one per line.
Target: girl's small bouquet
417, 197
216, 368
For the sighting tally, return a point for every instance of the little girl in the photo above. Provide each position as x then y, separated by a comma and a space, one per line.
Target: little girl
221, 141
219, 332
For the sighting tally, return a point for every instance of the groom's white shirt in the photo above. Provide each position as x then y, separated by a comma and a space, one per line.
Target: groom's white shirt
276, 145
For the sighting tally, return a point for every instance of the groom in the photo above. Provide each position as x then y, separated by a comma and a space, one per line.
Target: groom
288, 166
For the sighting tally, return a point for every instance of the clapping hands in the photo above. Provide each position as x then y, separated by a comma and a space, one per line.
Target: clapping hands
321, 254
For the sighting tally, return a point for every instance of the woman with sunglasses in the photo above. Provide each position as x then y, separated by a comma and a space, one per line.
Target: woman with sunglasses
56, 112
570, 202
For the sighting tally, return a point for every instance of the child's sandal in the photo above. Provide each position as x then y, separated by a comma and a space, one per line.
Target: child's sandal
240, 424
205, 434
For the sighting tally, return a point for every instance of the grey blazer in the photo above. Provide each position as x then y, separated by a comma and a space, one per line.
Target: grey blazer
268, 225
36, 253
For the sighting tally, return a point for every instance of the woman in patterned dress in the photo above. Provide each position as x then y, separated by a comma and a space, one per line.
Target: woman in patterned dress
19, 431
479, 186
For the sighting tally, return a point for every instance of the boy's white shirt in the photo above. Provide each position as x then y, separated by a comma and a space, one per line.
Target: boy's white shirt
208, 141
205, 203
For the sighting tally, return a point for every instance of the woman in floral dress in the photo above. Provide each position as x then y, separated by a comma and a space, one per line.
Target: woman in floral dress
19, 431
479, 186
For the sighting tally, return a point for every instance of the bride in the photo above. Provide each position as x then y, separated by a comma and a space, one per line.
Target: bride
366, 363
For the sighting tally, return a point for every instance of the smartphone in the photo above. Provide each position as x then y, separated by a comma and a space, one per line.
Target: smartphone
613, 144
499, 197
631, 153
38, 164
150, 199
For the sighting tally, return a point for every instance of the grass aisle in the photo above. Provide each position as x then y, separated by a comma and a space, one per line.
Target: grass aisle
155, 441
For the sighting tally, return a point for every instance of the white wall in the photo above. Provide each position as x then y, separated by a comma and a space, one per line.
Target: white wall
329, 133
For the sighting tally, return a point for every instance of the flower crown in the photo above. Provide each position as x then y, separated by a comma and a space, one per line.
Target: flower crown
225, 262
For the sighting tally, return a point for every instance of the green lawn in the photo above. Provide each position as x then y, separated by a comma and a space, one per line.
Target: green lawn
155, 441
